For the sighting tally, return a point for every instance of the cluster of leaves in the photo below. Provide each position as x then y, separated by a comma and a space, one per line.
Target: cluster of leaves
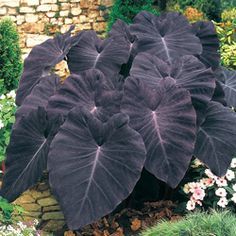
193, 14
7, 119
10, 56
227, 36
126, 10
8, 212
228, 4
211, 8
145, 97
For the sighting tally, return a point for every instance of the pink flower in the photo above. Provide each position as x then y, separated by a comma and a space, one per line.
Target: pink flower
230, 175
209, 174
223, 202
193, 186
221, 181
206, 182
198, 194
221, 192
190, 205
233, 163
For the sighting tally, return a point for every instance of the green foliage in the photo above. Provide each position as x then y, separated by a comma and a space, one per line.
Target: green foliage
197, 224
227, 4
7, 112
227, 36
10, 56
127, 9
8, 211
211, 8
229, 15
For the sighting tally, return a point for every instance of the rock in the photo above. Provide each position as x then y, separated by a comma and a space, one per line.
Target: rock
54, 225
57, 215
25, 198
35, 39
48, 1
51, 208
64, 13
83, 19
76, 11
33, 27
50, 14
44, 8
99, 27
107, 3
49, 201
12, 11
27, 10
31, 207
38, 194
33, 214
20, 19
68, 21
3, 11
55, 7
10, 3
31, 18
32, 2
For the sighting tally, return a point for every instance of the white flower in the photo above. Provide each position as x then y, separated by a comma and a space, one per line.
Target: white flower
234, 198
11, 94
206, 182
209, 173
223, 202
234, 187
190, 205
233, 163
230, 175
2, 97
1, 124
221, 192
221, 181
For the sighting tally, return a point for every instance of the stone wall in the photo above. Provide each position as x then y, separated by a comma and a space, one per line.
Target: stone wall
40, 204
37, 20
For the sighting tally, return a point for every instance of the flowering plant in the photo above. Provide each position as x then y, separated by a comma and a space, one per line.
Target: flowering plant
208, 190
20, 229
7, 111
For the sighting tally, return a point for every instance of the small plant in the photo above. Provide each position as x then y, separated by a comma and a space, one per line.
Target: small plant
193, 14
145, 97
197, 224
210, 191
7, 119
126, 10
10, 56
229, 15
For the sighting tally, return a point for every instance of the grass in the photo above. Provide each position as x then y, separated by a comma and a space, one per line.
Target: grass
197, 224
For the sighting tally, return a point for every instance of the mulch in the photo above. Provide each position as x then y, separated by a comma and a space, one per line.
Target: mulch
129, 222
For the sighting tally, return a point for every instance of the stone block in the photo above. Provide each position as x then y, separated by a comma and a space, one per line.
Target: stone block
44, 8
27, 10
32, 2
64, 13
10, 3
35, 39
25, 198
3, 11
33, 28
51, 208
31, 18
76, 11
57, 215
48, 1
20, 19
54, 225
48, 201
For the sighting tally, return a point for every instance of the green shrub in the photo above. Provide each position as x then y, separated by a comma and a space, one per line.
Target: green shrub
197, 224
127, 9
227, 4
211, 8
10, 56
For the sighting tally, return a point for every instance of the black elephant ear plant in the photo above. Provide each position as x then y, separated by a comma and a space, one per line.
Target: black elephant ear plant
150, 96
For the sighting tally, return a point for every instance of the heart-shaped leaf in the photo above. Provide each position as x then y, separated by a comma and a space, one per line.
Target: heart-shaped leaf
39, 96
165, 118
91, 90
205, 31
93, 166
27, 152
216, 139
41, 60
94, 53
168, 36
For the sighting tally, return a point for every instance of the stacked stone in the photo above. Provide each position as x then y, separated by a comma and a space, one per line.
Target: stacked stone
40, 204
37, 20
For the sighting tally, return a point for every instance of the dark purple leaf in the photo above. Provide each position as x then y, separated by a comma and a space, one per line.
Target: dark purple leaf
168, 36
227, 79
93, 166
165, 118
187, 71
219, 94
40, 95
206, 32
27, 152
90, 90
94, 53
216, 139
41, 60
